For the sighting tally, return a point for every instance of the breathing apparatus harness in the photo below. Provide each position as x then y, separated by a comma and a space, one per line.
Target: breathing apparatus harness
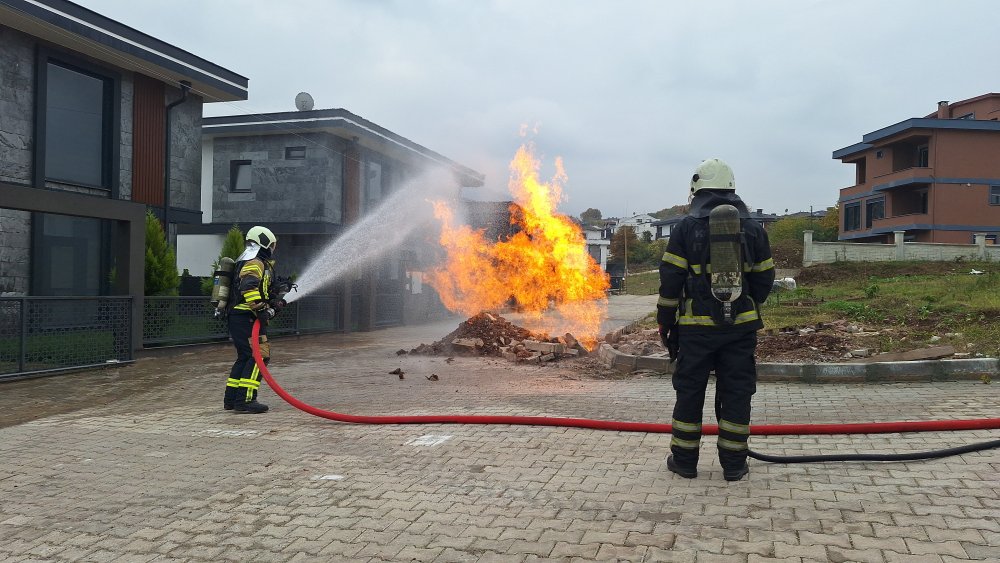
226, 279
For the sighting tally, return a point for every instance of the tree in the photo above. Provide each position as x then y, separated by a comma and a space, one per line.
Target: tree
791, 228
675, 211
623, 237
161, 262
232, 247
591, 216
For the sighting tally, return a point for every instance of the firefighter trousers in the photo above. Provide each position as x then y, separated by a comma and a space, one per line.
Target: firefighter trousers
244, 377
731, 356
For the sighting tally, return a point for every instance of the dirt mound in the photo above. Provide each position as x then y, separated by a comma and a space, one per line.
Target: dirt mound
487, 334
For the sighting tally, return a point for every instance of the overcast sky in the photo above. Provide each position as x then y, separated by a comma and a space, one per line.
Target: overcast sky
632, 95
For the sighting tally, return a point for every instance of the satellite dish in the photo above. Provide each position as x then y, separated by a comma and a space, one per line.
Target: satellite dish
303, 101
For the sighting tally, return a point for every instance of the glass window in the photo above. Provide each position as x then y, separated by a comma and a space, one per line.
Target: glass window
852, 217
923, 156
373, 184
994, 195
295, 153
239, 175
77, 126
69, 260
874, 210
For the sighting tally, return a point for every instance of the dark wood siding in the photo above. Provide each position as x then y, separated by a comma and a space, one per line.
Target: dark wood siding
148, 117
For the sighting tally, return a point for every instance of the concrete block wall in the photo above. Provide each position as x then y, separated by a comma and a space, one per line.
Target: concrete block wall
828, 252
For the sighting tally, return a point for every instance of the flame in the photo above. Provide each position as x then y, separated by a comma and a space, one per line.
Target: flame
544, 266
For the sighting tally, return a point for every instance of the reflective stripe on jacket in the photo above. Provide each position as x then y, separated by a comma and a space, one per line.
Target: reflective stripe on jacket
253, 284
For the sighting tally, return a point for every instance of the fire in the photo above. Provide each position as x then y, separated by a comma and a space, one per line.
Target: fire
545, 266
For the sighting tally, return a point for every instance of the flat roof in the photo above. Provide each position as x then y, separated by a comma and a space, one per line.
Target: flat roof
84, 31
339, 122
869, 140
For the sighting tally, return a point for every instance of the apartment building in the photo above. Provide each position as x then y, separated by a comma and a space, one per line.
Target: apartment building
936, 178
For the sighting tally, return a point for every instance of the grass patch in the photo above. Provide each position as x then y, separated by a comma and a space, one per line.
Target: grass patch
909, 301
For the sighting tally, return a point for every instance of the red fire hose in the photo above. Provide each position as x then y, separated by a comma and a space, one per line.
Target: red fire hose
708, 429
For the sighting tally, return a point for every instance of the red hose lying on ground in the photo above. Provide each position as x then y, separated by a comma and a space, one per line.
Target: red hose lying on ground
708, 429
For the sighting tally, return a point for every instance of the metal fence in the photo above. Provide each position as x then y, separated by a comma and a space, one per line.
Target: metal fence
48, 334
172, 321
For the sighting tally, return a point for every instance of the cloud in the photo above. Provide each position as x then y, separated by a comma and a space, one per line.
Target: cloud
632, 95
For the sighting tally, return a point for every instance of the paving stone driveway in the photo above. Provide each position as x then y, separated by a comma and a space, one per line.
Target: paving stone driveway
162, 473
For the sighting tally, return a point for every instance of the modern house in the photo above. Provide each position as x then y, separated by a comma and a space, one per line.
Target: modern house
96, 118
935, 178
309, 175
640, 223
598, 247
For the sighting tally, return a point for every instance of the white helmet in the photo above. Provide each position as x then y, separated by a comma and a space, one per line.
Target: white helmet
713, 174
262, 236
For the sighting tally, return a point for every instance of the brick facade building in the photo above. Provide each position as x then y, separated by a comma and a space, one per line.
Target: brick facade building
936, 178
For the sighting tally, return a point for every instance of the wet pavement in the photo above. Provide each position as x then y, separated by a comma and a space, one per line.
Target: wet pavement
140, 463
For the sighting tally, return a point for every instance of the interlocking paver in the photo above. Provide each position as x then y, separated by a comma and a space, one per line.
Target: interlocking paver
187, 481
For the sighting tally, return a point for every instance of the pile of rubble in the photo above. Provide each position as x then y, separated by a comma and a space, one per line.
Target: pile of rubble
487, 334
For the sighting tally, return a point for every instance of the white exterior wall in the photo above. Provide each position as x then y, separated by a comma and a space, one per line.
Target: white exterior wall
827, 252
207, 176
198, 252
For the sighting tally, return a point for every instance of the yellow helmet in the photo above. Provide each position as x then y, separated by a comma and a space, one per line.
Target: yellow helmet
713, 174
262, 236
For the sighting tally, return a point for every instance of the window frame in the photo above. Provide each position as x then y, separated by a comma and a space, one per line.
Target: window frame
234, 165
289, 156
993, 198
871, 205
848, 209
111, 135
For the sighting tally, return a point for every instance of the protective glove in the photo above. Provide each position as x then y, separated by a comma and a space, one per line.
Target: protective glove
666, 320
266, 314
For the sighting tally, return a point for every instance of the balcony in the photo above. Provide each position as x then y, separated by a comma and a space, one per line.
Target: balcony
907, 177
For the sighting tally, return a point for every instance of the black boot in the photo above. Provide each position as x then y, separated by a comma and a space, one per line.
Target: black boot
687, 473
229, 400
735, 474
252, 407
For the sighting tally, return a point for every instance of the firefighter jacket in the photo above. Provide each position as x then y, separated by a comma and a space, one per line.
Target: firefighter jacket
253, 284
685, 286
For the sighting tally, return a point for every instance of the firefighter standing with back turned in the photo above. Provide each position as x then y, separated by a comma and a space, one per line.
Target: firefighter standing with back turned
254, 275
714, 276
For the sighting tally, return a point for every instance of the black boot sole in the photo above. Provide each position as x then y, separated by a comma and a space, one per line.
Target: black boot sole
737, 474
685, 473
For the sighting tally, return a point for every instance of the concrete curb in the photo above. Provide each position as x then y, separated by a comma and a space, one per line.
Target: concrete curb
876, 372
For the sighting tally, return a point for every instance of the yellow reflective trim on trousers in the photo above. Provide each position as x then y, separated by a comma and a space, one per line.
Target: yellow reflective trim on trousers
734, 428
232, 382
686, 426
667, 302
732, 445
679, 261
686, 444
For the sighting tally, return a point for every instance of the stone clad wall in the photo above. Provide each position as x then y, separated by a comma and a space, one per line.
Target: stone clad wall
306, 190
827, 252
